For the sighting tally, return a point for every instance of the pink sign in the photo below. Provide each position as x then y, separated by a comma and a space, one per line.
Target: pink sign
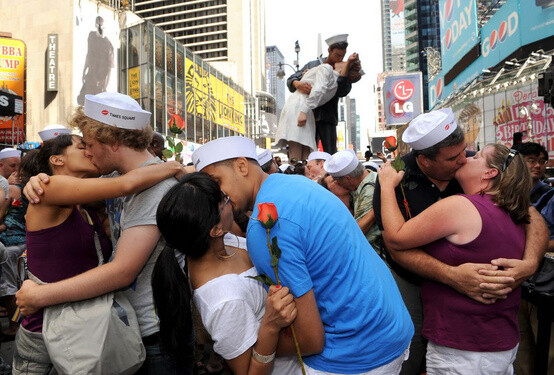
524, 108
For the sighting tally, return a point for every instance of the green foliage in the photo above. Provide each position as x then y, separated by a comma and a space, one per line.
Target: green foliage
269, 223
175, 147
398, 163
263, 278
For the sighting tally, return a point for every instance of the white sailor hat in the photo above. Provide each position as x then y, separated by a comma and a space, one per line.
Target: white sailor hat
223, 149
340, 38
341, 163
264, 156
319, 155
428, 129
52, 131
115, 109
283, 167
10, 153
371, 164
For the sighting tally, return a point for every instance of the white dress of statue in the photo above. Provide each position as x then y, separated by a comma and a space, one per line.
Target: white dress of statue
324, 86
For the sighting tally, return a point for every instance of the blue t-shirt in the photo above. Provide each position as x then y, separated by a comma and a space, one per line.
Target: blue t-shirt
366, 322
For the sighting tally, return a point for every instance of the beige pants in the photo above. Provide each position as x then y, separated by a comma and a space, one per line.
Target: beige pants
30, 355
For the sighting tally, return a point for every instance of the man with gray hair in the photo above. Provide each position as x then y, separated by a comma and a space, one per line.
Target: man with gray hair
350, 174
438, 151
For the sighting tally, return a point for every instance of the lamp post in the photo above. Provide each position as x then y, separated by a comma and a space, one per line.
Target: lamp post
297, 50
281, 72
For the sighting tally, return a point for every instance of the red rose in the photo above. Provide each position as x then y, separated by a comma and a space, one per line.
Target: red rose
390, 142
176, 124
267, 214
16, 203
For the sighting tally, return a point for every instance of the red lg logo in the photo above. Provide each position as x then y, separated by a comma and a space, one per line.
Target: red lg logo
403, 89
104, 112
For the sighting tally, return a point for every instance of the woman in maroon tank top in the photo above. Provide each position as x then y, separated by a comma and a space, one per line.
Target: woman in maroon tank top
60, 233
466, 336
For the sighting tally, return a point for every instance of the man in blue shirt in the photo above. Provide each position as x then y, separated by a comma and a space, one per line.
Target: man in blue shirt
351, 318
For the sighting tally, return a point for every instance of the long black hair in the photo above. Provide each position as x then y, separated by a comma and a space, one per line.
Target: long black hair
38, 161
185, 216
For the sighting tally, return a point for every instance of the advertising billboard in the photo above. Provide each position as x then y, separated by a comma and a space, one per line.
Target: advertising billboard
536, 21
458, 30
209, 97
12, 80
514, 25
494, 118
403, 98
95, 44
397, 30
501, 35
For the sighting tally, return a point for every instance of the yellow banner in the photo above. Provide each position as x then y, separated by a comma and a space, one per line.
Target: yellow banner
12, 73
209, 97
133, 80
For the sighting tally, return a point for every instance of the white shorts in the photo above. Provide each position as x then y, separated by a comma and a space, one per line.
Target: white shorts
448, 361
390, 368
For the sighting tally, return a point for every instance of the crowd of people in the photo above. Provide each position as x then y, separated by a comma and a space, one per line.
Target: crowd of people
352, 268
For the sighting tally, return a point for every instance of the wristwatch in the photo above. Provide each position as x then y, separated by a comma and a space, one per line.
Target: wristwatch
262, 358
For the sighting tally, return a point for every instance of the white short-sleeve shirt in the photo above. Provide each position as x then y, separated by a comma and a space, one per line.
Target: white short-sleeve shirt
232, 307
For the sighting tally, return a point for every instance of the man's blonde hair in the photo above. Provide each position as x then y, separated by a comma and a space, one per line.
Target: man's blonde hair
136, 139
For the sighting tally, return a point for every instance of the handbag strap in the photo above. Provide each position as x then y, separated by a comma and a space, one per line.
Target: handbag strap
97, 245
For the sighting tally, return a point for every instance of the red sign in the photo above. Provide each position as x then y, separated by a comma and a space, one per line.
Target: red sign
403, 89
17, 135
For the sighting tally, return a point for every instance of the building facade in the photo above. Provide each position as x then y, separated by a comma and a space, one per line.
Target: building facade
101, 47
348, 126
499, 92
275, 85
422, 33
171, 81
228, 34
392, 31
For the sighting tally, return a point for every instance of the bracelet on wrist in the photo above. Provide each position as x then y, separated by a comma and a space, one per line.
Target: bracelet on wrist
262, 358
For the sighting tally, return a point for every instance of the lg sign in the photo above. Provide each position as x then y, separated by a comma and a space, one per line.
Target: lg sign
403, 90
506, 29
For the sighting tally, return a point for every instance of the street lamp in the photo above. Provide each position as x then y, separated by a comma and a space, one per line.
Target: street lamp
281, 72
297, 50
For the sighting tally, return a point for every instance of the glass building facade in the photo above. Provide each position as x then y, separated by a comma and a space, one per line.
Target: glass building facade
169, 80
422, 29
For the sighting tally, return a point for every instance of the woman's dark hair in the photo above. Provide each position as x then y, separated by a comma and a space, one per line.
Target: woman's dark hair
185, 216
38, 161
300, 169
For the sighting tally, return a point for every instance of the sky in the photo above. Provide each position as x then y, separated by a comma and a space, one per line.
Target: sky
302, 20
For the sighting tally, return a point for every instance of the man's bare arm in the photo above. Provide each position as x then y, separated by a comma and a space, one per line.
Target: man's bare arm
308, 327
367, 221
464, 278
